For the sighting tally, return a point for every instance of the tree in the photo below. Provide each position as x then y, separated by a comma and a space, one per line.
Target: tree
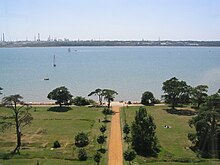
21, 117
82, 155
97, 158
80, 101
109, 95
147, 98
126, 130
101, 139
61, 94
129, 155
81, 139
199, 94
207, 136
106, 112
175, 91
144, 140
99, 93
102, 129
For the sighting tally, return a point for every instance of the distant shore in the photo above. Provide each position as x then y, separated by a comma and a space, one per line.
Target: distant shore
64, 43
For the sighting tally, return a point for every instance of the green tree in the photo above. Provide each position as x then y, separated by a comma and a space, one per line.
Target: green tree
207, 136
81, 139
97, 157
82, 155
99, 93
147, 98
21, 117
80, 101
126, 130
61, 95
109, 95
129, 155
102, 129
101, 139
106, 112
144, 140
199, 94
175, 91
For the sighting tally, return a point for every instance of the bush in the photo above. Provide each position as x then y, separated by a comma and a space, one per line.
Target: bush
129, 155
56, 144
81, 140
97, 157
82, 155
80, 101
102, 129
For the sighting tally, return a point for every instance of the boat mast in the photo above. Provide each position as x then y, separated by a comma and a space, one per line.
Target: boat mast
54, 65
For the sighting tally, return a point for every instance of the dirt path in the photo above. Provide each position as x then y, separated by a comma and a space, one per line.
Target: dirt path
115, 143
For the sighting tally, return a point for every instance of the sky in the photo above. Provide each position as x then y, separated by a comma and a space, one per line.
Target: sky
110, 19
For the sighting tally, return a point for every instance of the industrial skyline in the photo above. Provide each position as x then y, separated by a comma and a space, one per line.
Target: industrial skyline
110, 20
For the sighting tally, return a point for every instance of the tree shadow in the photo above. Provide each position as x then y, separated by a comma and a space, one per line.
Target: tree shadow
102, 150
181, 112
59, 109
6, 156
106, 121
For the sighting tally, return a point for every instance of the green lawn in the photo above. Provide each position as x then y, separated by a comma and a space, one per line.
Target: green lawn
174, 142
47, 127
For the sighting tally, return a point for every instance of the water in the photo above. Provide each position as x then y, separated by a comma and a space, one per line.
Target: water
128, 70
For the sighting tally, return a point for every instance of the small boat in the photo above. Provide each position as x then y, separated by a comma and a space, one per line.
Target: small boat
46, 78
54, 65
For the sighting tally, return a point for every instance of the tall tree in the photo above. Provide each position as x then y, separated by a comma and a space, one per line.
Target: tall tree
144, 140
147, 98
207, 136
21, 116
61, 95
175, 91
99, 93
199, 94
109, 95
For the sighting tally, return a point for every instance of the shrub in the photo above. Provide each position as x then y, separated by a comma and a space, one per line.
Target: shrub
97, 157
56, 144
80, 101
129, 155
102, 129
82, 155
81, 140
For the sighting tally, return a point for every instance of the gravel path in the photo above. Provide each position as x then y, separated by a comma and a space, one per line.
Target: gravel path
115, 143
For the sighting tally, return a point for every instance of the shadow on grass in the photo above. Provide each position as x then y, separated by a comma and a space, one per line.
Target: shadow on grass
6, 156
181, 112
106, 121
59, 109
102, 150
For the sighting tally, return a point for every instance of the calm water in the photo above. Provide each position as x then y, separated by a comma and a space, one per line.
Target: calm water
128, 70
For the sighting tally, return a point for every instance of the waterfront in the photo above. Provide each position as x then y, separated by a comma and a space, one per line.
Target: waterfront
128, 70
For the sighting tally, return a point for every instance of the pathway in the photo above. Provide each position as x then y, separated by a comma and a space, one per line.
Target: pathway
115, 143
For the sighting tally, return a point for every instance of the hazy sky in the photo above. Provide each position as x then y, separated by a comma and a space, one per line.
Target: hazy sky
111, 19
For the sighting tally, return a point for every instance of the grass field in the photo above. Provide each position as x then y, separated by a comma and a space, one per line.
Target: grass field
48, 126
174, 142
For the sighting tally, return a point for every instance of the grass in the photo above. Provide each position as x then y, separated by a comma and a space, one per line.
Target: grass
175, 146
51, 124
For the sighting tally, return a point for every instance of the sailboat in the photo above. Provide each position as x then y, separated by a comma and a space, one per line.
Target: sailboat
54, 65
69, 50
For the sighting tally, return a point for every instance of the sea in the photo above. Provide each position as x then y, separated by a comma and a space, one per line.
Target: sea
128, 70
